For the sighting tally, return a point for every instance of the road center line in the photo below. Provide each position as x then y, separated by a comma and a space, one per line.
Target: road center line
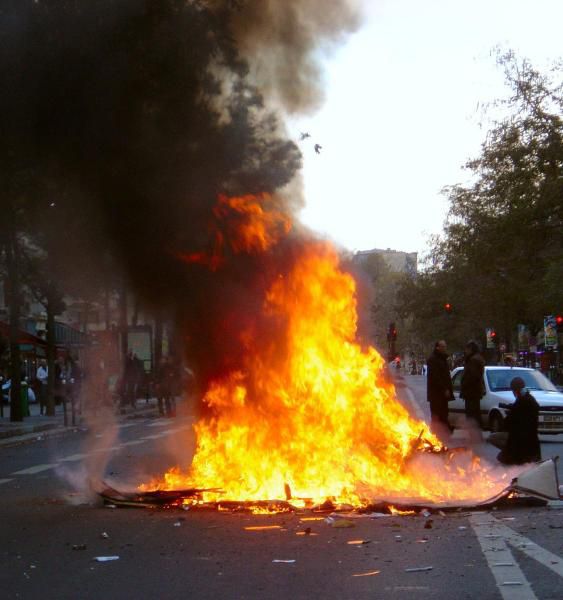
510, 580
5, 481
415, 406
36, 469
73, 458
126, 425
156, 436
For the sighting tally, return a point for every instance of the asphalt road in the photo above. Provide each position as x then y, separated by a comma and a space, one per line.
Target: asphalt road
51, 533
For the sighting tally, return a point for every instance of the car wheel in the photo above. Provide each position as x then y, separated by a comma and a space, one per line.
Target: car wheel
496, 423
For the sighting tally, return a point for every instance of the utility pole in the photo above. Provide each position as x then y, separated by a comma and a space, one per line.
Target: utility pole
11, 250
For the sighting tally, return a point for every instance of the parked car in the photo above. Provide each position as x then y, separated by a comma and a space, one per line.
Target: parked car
497, 384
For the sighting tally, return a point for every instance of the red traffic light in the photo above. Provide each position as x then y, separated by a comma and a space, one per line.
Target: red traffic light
493, 334
559, 319
448, 307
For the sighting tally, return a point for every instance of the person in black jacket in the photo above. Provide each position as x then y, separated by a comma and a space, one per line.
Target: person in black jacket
472, 382
439, 390
522, 444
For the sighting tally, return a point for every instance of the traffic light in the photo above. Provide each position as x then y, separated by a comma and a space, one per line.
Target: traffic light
392, 333
559, 323
448, 307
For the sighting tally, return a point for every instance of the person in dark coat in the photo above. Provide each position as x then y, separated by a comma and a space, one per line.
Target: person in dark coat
472, 382
439, 390
166, 380
130, 378
522, 444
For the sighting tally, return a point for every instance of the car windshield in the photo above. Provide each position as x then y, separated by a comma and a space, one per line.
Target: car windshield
499, 380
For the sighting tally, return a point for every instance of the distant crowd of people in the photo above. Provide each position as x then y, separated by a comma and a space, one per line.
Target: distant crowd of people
94, 387
165, 383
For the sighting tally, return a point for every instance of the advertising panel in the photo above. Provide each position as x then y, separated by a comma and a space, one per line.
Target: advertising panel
550, 331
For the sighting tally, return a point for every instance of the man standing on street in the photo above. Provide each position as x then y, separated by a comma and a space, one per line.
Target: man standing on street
439, 389
472, 383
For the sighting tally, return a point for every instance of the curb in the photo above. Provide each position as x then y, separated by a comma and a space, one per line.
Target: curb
27, 433
27, 429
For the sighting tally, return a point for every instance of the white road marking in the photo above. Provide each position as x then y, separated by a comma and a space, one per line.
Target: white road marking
415, 405
533, 550
73, 457
156, 436
98, 450
76, 457
511, 581
35, 469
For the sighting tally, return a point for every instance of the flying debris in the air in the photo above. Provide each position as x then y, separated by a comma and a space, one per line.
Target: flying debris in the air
304, 136
318, 148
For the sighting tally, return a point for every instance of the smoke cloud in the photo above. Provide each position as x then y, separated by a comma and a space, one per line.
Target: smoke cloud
135, 115
283, 40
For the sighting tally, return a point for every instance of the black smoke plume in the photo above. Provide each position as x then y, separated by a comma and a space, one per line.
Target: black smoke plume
133, 115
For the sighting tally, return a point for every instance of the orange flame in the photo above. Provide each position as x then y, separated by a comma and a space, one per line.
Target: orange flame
246, 224
310, 415
259, 224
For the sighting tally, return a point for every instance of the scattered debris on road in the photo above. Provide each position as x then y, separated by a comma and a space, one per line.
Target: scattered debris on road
340, 523
284, 560
105, 558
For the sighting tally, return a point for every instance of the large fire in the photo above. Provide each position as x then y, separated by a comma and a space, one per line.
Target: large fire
311, 415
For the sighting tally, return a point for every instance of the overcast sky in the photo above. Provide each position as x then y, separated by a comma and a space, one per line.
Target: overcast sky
402, 113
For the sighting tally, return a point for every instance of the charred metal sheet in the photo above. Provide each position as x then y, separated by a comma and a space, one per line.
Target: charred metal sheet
533, 487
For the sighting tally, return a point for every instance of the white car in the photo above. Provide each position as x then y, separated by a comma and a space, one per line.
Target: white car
497, 384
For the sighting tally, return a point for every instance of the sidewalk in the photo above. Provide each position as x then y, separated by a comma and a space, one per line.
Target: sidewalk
37, 423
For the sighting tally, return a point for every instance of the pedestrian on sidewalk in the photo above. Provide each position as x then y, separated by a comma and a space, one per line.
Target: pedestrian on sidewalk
42, 375
130, 379
520, 443
473, 385
165, 387
439, 389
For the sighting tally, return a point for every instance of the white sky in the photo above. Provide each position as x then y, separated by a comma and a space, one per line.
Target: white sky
401, 115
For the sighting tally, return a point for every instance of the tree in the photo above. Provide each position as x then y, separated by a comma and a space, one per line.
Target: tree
502, 244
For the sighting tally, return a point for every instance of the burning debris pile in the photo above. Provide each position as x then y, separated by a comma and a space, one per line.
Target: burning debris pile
306, 415
137, 114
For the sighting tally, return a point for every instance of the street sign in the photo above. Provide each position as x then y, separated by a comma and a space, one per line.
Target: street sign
523, 337
550, 331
